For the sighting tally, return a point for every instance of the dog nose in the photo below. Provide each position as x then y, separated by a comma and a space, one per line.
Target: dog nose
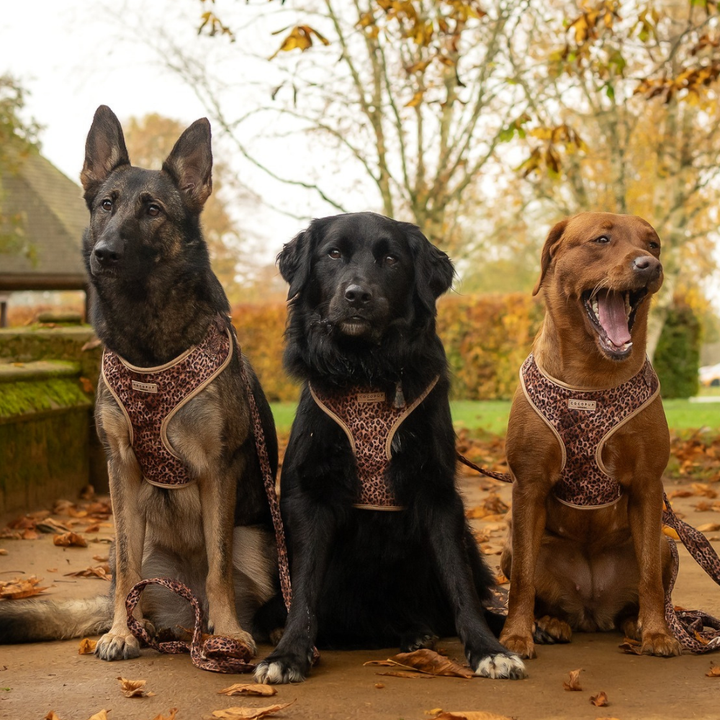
646, 265
108, 252
357, 295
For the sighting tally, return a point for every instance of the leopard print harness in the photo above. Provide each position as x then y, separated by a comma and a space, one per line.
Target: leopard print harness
370, 422
150, 397
583, 420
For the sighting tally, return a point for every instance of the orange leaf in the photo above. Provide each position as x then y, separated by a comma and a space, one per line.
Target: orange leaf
574, 684
70, 539
87, 646
599, 700
425, 661
248, 713
133, 688
19, 588
713, 671
248, 689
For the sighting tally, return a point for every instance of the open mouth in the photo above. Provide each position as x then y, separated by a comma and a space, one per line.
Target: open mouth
612, 316
354, 326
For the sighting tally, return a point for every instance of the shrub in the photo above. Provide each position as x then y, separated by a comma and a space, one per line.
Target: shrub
677, 356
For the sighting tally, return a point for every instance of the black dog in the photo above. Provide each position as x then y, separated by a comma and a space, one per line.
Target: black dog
362, 326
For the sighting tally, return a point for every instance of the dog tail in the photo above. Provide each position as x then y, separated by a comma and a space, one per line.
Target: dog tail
25, 621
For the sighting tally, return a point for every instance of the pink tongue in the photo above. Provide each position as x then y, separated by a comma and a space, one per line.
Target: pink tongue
611, 313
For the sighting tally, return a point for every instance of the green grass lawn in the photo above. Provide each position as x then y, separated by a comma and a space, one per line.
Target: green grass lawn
492, 415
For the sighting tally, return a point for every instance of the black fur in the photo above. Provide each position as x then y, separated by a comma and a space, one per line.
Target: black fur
362, 312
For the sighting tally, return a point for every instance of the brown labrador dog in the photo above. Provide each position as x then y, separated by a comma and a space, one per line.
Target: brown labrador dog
605, 566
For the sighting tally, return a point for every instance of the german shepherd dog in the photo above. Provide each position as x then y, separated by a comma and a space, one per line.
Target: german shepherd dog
155, 298
362, 324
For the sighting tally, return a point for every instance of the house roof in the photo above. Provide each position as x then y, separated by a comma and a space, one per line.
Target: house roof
52, 216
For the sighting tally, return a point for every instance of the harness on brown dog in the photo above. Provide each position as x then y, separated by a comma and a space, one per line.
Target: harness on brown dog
370, 423
150, 397
583, 420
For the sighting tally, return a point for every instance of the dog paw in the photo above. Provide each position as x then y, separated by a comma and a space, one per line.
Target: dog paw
501, 667
281, 670
550, 630
417, 641
117, 647
521, 645
660, 644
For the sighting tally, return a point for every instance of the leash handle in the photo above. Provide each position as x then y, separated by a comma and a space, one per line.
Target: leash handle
217, 654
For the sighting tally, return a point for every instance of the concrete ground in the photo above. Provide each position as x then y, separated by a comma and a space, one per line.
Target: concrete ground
37, 679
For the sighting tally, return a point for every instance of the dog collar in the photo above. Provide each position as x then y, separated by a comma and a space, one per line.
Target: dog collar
150, 397
370, 422
583, 420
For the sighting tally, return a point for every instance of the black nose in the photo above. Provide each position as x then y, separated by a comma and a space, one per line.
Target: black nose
108, 252
647, 265
356, 295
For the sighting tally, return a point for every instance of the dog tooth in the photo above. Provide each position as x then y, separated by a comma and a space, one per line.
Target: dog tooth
595, 307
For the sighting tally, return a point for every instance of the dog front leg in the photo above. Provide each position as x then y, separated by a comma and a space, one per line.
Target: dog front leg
311, 543
487, 657
644, 513
528, 525
217, 500
125, 481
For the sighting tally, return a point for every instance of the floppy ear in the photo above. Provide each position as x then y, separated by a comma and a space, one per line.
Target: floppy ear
295, 259
553, 238
105, 151
189, 164
434, 272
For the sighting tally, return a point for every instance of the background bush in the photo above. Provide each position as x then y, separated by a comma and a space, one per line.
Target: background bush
677, 357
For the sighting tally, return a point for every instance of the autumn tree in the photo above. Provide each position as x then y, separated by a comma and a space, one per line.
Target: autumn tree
149, 141
18, 137
624, 116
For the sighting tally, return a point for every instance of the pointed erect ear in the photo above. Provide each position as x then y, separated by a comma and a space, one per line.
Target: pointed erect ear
548, 252
189, 164
105, 151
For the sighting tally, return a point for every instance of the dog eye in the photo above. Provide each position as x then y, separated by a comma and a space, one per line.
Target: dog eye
602, 239
389, 260
106, 205
335, 254
153, 210
654, 246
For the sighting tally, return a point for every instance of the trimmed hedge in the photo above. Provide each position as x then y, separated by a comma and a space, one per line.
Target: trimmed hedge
677, 356
486, 338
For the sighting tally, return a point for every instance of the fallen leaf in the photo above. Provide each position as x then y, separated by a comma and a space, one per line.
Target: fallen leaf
60, 507
680, 494
95, 527
406, 674
491, 549
248, 689
171, 716
631, 647
99, 571
599, 700
87, 646
52, 526
500, 578
3, 551
87, 493
18, 588
248, 713
53, 570
713, 671
472, 715
100, 558
704, 490
70, 539
30, 534
102, 715
708, 527
425, 661
134, 688
379, 686
670, 532
51, 716
574, 684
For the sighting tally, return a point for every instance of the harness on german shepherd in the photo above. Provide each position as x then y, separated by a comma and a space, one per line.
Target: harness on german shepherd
583, 421
370, 423
150, 397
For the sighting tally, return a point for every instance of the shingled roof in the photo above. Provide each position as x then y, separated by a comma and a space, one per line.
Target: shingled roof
53, 217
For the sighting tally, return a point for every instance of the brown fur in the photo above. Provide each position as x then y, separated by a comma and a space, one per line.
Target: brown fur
589, 569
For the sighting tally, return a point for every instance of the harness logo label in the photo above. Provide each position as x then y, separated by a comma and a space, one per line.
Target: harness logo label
375, 397
589, 405
144, 387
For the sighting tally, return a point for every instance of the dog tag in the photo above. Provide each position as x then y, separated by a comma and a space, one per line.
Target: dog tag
589, 405
144, 387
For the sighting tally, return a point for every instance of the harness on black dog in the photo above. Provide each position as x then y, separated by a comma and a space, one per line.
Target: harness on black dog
150, 397
370, 423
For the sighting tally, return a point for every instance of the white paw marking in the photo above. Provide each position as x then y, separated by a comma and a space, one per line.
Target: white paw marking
276, 673
508, 667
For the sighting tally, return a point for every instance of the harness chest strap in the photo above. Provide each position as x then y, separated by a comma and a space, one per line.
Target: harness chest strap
150, 397
370, 422
583, 420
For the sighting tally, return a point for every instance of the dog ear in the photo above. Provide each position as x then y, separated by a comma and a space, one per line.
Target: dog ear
189, 164
434, 271
553, 238
105, 151
294, 261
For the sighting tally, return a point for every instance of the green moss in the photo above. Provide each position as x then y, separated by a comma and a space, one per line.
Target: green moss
20, 398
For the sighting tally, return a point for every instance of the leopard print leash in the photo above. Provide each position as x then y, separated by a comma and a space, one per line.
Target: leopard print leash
217, 653
695, 630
